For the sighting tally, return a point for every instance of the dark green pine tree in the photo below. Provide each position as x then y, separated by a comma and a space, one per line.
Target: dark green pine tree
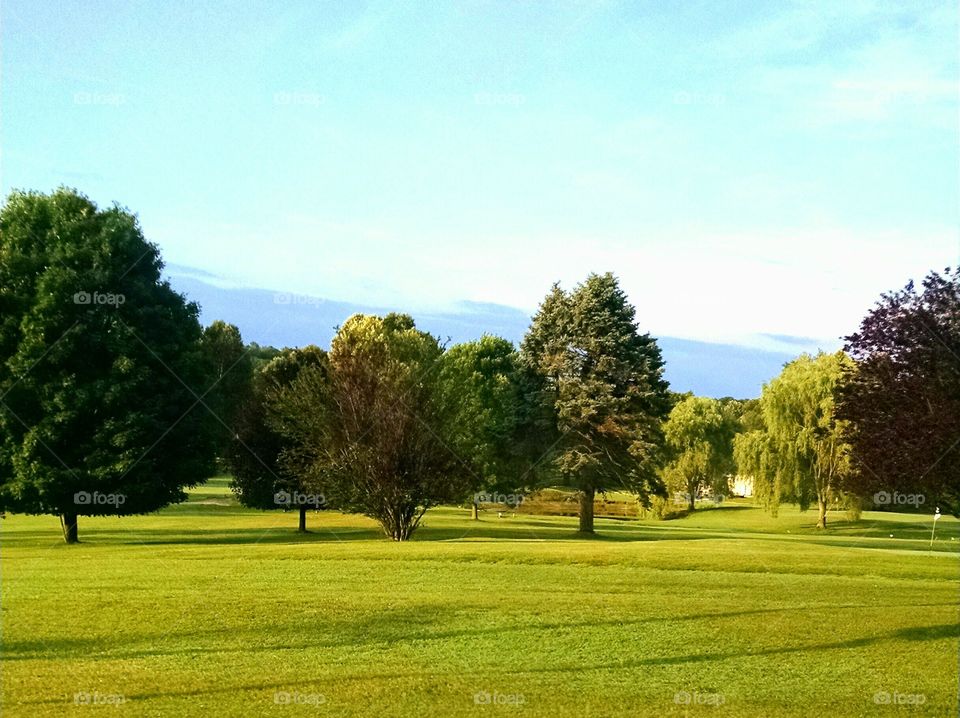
101, 373
603, 382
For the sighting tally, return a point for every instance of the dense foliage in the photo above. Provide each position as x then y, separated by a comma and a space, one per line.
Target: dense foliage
113, 399
603, 382
371, 435
101, 370
489, 425
229, 368
800, 454
903, 399
699, 439
254, 454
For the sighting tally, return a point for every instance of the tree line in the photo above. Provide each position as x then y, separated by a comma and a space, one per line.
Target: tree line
114, 399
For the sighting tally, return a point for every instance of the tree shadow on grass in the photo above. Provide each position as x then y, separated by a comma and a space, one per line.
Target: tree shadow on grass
387, 629
918, 633
913, 633
191, 537
445, 527
482, 531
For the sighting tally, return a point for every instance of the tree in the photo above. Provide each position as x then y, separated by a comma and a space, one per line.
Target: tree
749, 415
372, 437
230, 377
800, 454
902, 400
603, 383
483, 392
101, 406
254, 454
699, 440
260, 355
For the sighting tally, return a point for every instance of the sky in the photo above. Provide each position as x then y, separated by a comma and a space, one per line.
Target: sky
749, 170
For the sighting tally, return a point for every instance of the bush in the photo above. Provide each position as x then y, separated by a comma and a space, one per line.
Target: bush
663, 509
853, 505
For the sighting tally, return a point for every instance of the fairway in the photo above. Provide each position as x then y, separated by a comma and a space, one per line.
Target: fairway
207, 608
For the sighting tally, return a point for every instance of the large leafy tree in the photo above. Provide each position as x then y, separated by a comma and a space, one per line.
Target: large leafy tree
699, 441
230, 367
254, 454
603, 383
484, 392
800, 453
101, 372
372, 437
903, 399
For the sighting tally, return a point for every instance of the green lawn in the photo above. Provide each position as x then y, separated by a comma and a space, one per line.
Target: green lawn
209, 609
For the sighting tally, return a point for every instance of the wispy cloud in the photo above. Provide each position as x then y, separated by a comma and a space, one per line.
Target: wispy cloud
830, 64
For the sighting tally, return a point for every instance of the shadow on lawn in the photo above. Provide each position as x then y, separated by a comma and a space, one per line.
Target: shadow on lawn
154, 536
525, 529
448, 525
915, 633
387, 629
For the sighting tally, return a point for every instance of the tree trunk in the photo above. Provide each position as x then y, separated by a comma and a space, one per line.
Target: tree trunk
303, 520
586, 510
475, 512
822, 519
399, 521
68, 522
692, 498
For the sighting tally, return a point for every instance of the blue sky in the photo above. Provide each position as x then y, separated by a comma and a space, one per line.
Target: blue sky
748, 169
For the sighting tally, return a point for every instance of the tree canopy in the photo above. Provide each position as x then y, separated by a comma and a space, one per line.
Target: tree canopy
257, 446
485, 393
603, 383
371, 436
699, 439
903, 398
800, 454
102, 379
230, 370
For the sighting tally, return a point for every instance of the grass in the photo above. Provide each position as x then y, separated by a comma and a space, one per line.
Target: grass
209, 609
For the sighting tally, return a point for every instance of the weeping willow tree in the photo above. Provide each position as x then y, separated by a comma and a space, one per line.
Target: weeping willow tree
798, 455
699, 435
754, 458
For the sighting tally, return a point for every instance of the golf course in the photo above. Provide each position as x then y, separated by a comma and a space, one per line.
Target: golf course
210, 608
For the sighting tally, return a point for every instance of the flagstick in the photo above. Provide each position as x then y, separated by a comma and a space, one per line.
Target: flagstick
934, 530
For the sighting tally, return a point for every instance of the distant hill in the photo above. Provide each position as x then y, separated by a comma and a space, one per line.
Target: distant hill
285, 319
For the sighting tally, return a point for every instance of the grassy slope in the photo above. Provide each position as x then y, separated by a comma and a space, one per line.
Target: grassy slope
209, 609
